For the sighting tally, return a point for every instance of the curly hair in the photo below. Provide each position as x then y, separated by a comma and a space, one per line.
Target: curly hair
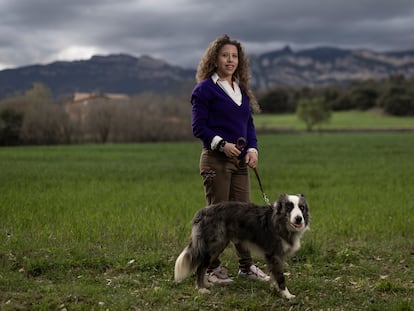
207, 67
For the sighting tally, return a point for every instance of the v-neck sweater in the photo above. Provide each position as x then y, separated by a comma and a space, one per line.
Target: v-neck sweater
214, 113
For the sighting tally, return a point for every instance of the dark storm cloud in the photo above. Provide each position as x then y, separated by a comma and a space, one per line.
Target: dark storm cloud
40, 31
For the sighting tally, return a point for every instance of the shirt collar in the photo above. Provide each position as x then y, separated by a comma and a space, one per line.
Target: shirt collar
233, 92
215, 77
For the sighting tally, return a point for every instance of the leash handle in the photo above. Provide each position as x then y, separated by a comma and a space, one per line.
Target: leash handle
241, 143
265, 198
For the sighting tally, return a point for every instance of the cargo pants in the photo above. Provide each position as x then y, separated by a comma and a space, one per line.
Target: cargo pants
225, 180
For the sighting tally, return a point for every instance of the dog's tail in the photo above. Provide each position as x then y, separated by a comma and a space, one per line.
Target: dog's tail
189, 258
183, 266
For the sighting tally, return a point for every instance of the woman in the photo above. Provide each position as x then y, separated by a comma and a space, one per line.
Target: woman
222, 106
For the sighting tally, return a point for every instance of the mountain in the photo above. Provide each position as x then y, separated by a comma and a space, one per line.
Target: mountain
327, 65
101, 74
130, 75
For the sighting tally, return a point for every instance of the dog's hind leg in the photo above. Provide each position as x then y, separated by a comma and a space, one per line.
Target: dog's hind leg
276, 268
201, 275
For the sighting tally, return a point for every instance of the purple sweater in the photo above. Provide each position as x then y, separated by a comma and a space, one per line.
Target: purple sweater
215, 113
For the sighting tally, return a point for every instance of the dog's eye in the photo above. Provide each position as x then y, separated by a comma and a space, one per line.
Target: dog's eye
302, 207
289, 206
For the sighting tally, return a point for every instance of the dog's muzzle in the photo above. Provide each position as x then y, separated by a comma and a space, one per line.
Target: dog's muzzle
297, 223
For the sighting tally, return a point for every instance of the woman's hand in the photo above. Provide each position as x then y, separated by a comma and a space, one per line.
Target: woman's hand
252, 159
231, 151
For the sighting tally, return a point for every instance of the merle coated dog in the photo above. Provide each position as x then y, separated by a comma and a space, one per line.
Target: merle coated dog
274, 231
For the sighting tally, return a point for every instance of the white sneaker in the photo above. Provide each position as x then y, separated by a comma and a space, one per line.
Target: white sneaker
219, 276
255, 273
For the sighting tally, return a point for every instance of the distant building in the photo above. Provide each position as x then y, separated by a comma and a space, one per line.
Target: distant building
79, 103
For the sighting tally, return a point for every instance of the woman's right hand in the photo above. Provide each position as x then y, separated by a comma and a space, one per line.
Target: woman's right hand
231, 151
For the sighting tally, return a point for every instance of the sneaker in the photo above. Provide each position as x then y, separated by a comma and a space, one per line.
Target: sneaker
219, 276
254, 273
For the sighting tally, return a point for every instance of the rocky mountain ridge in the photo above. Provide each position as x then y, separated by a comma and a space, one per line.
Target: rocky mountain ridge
122, 73
327, 65
117, 73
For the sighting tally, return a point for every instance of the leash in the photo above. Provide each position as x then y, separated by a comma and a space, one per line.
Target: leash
265, 198
241, 144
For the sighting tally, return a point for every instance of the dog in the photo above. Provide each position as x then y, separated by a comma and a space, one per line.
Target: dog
274, 231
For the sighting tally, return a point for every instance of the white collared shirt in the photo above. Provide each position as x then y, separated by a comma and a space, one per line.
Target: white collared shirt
233, 92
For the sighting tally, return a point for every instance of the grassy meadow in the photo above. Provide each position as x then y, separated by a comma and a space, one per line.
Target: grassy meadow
98, 227
340, 121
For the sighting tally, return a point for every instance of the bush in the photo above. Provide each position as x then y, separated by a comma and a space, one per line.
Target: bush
364, 97
398, 101
277, 100
10, 127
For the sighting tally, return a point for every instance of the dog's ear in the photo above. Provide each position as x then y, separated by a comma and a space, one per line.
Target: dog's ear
302, 198
281, 202
283, 197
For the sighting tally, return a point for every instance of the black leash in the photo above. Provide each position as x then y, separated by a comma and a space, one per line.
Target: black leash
265, 199
241, 144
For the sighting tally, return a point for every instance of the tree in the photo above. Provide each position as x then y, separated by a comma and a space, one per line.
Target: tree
398, 96
10, 126
364, 97
313, 111
39, 94
278, 100
43, 119
398, 100
99, 119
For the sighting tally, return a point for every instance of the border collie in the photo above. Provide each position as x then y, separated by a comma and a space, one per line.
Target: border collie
274, 231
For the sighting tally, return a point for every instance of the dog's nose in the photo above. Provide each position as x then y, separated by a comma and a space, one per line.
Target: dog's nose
298, 219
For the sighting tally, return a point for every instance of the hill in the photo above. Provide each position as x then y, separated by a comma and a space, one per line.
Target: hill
327, 65
130, 75
101, 74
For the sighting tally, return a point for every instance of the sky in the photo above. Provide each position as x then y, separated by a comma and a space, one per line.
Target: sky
179, 31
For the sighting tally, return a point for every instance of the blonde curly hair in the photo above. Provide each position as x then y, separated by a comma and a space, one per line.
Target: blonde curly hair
207, 67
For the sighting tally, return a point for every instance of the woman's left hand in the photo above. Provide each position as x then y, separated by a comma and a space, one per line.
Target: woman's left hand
251, 159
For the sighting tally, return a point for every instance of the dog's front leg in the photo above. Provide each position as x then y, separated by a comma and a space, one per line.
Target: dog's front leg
276, 269
286, 294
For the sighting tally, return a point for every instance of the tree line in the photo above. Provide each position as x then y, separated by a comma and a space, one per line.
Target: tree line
394, 95
34, 117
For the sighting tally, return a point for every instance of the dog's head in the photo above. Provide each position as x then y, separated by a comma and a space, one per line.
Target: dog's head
294, 211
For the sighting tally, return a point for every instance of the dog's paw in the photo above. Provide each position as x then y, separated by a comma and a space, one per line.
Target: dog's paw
203, 291
207, 283
286, 294
273, 285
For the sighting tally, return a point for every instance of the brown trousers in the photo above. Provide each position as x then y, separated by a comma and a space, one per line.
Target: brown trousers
223, 180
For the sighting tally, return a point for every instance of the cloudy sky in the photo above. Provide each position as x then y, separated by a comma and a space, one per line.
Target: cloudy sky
178, 31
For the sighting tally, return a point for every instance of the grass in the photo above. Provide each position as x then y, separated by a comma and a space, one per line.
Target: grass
345, 120
99, 226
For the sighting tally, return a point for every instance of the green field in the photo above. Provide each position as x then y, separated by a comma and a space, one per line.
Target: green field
98, 227
340, 121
